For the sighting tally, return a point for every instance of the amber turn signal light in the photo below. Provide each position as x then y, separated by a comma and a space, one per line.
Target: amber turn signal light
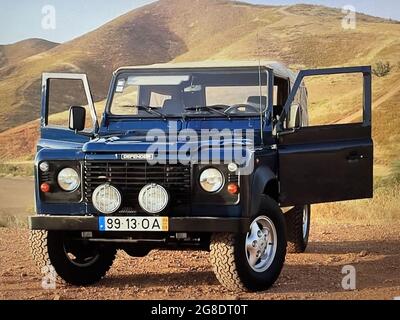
233, 188
45, 187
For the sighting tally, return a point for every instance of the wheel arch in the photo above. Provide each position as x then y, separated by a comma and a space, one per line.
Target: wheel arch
265, 182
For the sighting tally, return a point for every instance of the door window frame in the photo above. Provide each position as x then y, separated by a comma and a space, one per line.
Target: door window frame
366, 71
46, 77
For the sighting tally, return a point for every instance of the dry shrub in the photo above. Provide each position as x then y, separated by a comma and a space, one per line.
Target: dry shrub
382, 69
13, 221
16, 169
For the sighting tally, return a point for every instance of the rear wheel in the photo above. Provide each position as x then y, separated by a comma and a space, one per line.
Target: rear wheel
298, 228
252, 261
75, 261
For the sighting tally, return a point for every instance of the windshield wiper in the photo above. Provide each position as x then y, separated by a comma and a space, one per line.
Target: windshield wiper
207, 108
148, 109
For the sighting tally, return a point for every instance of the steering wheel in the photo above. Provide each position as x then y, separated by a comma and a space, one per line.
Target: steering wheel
236, 108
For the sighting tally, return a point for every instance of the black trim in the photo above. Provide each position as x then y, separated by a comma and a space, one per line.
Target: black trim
176, 224
57, 194
367, 89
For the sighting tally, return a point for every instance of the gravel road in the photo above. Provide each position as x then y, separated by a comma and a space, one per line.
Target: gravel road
372, 250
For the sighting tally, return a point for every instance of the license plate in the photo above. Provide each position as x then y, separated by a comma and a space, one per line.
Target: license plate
143, 224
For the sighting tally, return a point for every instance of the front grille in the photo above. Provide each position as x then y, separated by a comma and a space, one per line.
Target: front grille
45, 177
131, 177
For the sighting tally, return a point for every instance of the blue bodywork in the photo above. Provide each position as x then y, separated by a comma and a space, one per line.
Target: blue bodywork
125, 135
64, 145
277, 150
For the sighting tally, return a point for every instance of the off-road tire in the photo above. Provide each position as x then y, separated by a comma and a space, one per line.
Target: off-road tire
297, 243
47, 248
38, 246
229, 261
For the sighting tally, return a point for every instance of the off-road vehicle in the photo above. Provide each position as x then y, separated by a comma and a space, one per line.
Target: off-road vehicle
147, 178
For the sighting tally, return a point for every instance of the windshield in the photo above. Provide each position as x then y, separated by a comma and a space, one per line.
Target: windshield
205, 94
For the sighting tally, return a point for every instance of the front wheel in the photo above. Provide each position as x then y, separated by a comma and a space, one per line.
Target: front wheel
76, 261
252, 261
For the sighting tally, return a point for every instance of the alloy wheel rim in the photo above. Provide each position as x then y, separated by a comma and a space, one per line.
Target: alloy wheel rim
261, 244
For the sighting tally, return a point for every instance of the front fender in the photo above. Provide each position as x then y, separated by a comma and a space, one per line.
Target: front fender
265, 182
59, 154
73, 155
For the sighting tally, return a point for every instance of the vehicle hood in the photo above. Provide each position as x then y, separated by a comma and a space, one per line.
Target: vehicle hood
143, 145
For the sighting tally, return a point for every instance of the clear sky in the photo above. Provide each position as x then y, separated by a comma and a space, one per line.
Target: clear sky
22, 19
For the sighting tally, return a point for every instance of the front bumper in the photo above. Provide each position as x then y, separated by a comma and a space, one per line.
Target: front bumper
176, 224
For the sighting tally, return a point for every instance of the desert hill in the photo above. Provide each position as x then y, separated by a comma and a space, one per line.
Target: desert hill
301, 36
178, 30
14, 53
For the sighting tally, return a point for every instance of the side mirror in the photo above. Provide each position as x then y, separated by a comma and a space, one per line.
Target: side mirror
293, 119
77, 118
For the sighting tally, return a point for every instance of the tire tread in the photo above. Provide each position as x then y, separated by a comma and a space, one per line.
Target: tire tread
222, 257
38, 248
294, 223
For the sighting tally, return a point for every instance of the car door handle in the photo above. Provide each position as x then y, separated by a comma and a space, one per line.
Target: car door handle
353, 158
288, 131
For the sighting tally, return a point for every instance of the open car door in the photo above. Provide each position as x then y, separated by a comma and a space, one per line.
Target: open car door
54, 130
330, 162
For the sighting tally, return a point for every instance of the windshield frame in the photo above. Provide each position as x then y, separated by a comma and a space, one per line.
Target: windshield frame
177, 71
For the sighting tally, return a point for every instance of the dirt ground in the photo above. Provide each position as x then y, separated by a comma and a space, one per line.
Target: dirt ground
16, 197
372, 250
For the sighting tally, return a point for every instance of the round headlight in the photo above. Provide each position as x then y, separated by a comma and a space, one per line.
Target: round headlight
106, 198
211, 180
153, 198
68, 179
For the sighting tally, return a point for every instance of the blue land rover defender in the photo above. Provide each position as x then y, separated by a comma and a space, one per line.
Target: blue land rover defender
193, 156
